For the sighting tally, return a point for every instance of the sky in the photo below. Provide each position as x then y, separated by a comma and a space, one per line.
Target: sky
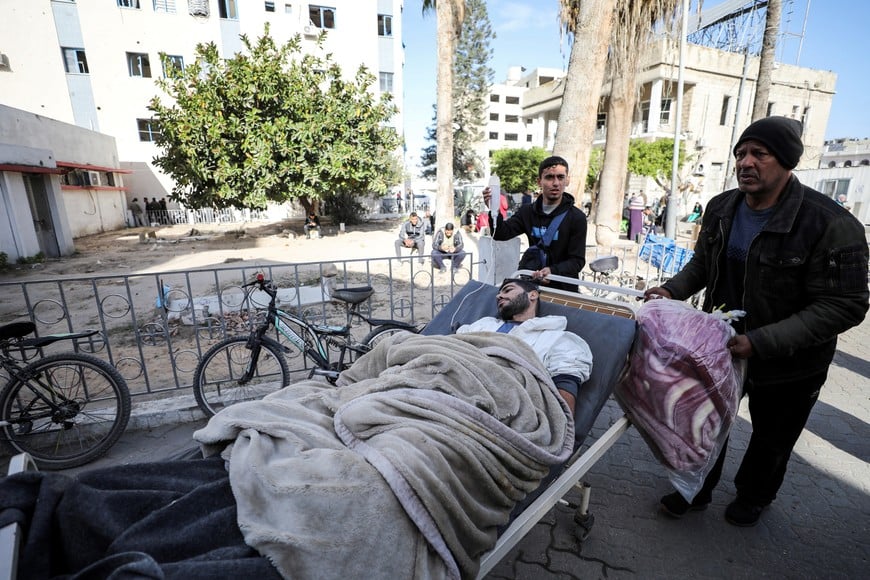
527, 34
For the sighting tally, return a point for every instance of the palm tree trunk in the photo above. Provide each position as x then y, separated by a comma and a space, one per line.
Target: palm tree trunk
768, 57
446, 27
620, 114
586, 65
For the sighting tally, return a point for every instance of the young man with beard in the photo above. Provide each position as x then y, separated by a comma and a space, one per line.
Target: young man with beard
796, 262
566, 254
566, 355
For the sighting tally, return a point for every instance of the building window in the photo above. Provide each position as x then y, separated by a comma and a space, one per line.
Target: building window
804, 119
601, 121
167, 6
138, 64
74, 60
511, 119
385, 25
321, 16
269, 6
288, 9
723, 114
147, 130
493, 98
386, 82
129, 4
198, 8
528, 138
493, 135
665, 112
493, 116
769, 109
512, 100
227, 9
834, 187
511, 137
173, 65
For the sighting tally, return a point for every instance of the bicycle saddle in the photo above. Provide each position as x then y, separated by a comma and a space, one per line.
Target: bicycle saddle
16, 330
604, 264
353, 295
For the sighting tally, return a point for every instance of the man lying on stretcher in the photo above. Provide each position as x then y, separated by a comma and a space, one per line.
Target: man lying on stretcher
566, 355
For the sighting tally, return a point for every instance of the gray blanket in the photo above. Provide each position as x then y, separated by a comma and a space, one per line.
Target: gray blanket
406, 469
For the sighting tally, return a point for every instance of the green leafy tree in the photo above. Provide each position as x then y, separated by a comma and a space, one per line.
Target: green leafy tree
654, 159
517, 169
472, 78
272, 124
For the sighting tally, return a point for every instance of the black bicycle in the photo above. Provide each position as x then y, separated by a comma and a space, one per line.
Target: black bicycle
64, 410
242, 368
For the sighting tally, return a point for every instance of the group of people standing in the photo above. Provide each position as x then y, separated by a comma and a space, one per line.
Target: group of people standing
154, 211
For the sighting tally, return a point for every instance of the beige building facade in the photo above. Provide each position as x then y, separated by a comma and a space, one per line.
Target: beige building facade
716, 107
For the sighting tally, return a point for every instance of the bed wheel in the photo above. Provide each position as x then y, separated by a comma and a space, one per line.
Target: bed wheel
584, 524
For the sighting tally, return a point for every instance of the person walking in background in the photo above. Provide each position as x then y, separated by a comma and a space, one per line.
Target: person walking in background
412, 234
636, 203
696, 214
447, 244
796, 262
565, 254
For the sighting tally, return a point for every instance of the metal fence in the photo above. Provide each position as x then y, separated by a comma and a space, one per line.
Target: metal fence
207, 215
155, 326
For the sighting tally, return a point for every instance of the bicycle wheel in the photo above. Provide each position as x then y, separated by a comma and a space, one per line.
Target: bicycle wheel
383, 332
220, 377
65, 410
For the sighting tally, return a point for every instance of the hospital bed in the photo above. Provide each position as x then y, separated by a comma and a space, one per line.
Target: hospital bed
609, 329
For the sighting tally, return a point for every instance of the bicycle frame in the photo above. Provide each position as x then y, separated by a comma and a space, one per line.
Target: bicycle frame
316, 348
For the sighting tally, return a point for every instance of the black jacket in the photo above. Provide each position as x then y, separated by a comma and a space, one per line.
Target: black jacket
805, 282
567, 254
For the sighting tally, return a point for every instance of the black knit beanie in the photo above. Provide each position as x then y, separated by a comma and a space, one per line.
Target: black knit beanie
779, 134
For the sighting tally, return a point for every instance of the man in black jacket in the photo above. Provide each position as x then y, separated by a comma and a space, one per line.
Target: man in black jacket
796, 262
566, 254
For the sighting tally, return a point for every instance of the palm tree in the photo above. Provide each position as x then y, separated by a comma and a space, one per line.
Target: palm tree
449, 15
590, 22
634, 26
768, 56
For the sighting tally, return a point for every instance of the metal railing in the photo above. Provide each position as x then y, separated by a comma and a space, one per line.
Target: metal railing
154, 327
165, 217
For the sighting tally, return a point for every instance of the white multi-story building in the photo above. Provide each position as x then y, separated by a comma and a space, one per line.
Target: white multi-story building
92, 63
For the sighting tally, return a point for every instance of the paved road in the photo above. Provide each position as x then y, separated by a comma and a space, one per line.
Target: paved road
819, 527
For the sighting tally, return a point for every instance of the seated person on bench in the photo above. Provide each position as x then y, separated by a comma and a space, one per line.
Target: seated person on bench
412, 235
566, 355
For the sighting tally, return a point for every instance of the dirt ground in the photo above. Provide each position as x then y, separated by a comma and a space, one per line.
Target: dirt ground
183, 247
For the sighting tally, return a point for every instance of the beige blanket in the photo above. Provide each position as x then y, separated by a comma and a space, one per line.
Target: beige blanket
406, 469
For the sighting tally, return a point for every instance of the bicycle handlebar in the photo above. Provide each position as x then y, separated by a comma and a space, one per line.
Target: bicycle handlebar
263, 284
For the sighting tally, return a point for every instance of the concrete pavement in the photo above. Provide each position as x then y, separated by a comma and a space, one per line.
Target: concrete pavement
819, 527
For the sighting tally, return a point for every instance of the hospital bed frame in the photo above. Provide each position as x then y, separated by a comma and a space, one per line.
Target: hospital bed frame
576, 468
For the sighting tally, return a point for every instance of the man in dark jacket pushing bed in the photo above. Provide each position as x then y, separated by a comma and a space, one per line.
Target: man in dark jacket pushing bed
796, 262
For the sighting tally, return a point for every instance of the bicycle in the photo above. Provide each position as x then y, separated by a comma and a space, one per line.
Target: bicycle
604, 279
65, 410
241, 368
